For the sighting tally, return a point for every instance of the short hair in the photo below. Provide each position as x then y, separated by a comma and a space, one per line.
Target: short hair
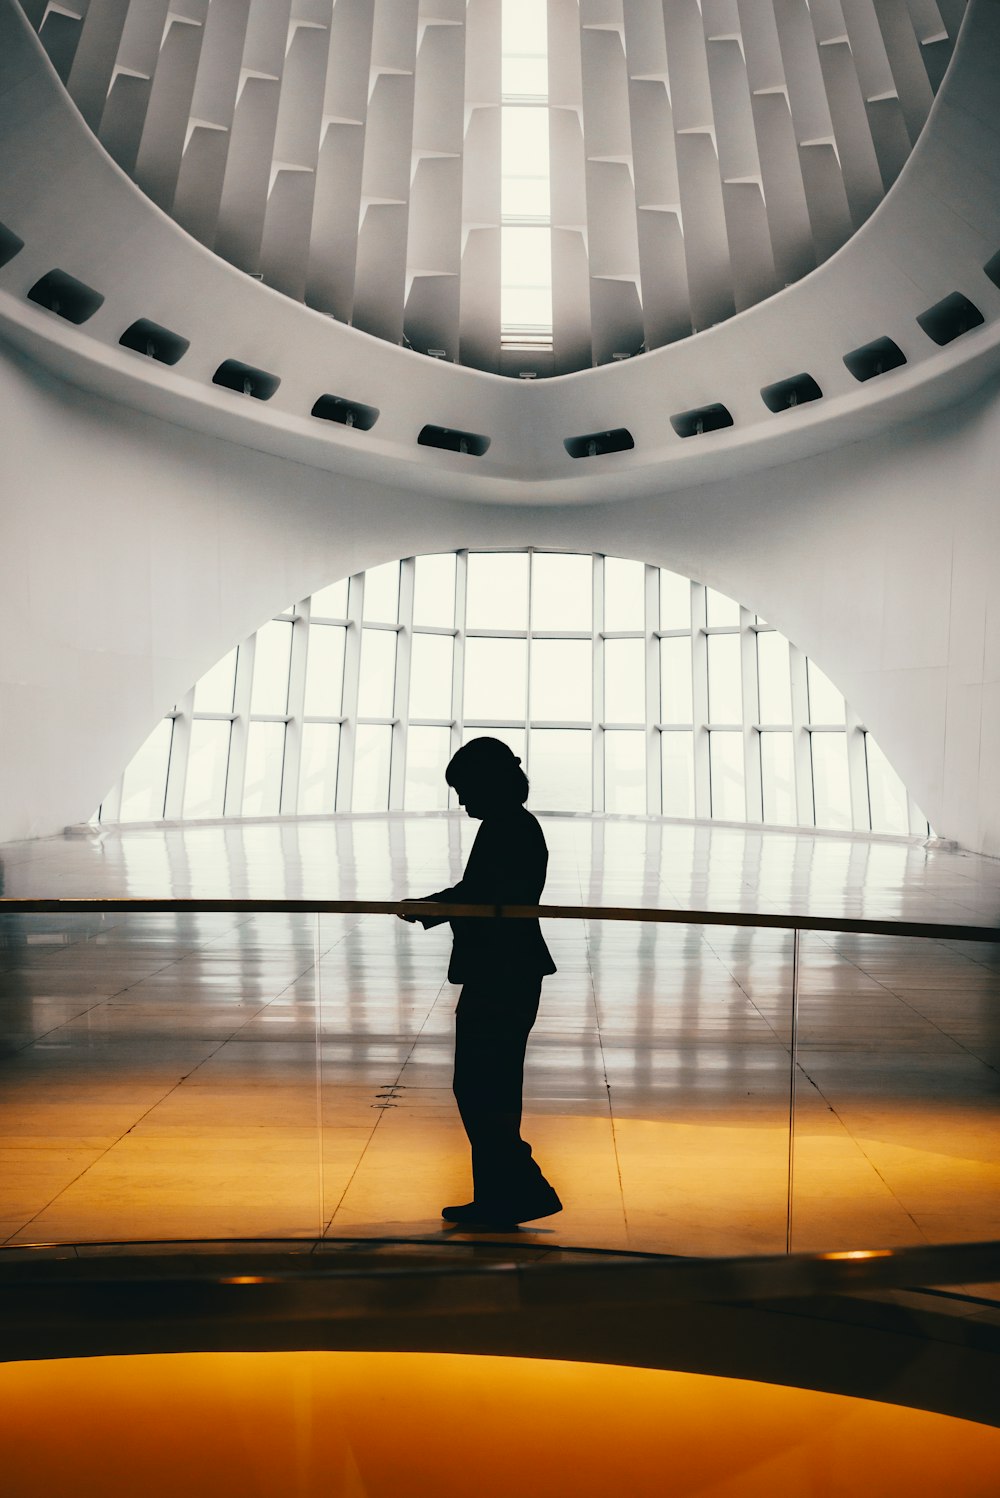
491, 760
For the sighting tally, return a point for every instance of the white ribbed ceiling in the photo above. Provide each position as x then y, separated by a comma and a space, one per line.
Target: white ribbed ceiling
348, 152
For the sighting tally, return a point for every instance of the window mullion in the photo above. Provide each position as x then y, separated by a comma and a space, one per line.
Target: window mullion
699, 703
298, 662
458, 661
805, 805
751, 738
352, 676
597, 732
857, 772
652, 651
401, 686
238, 734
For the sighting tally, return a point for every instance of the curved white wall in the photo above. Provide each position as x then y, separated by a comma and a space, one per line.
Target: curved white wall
135, 552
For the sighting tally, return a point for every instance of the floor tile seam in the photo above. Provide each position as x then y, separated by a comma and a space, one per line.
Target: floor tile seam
783, 1041
926, 1019
858, 1145
607, 1084
95, 1161
251, 1018
328, 1224
19, 1049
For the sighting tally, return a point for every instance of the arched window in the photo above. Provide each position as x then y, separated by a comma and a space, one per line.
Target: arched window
624, 687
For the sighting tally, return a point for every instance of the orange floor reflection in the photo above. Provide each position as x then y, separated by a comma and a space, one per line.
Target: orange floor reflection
294, 1425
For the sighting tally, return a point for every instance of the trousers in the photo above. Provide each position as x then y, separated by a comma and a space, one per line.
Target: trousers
492, 1024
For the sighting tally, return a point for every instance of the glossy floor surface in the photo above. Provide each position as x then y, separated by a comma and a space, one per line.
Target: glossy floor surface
234, 1075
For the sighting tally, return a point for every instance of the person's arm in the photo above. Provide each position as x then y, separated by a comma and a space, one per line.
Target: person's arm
468, 891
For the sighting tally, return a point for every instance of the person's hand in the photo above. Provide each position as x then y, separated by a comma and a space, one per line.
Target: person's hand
411, 920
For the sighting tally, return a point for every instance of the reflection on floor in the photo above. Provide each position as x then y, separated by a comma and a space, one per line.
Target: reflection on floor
225, 1075
330, 1425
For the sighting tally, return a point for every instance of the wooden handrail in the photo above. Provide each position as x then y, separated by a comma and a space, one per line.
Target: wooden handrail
140, 905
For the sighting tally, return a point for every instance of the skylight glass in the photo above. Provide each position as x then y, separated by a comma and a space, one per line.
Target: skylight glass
524, 144
525, 239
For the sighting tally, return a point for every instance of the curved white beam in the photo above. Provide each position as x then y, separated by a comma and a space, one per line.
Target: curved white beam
932, 235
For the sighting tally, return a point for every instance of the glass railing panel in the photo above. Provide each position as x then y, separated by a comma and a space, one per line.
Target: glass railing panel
385, 1055
157, 1079
694, 1032
242, 1074
897, 1109
656, 1084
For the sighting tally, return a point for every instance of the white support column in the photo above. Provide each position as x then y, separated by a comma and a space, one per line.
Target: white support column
163, 136
822, 178
298, 664
434, 243
94, 58
777, 147
654, 786
401, 690
213, 109
908, 70
288, 216
571, 342
380, 283
333, 245
750, 250
352, 674
615, 308
479, 289
248, 167
862, 179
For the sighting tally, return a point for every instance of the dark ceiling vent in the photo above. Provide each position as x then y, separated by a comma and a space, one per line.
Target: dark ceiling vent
704, 419
66, 296
452, 441
874, 358
10, 244
950, 318
618, 440
158, 343
796, 391
233, 375
346, 413
992, 268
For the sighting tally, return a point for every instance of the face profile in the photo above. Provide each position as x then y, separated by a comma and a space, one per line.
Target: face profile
487, 778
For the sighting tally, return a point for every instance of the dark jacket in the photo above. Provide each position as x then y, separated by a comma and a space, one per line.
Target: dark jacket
506, 867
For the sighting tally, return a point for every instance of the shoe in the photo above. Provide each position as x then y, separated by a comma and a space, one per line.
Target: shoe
501, 1217
544, 1204
475, 1216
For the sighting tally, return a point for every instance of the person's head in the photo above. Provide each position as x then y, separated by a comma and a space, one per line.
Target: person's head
487, 777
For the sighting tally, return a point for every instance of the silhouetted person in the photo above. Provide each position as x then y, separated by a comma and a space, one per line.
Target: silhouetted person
501, 964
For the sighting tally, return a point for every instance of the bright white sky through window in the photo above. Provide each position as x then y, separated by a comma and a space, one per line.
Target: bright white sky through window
525, 253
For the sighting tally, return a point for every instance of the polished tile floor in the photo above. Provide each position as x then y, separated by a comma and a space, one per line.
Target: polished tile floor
233, 1075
